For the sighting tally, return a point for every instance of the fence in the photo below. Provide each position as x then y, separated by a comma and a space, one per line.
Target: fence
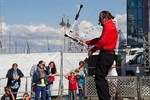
126, 86
26, 87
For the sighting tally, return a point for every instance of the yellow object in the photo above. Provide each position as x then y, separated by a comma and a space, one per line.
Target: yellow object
42, 83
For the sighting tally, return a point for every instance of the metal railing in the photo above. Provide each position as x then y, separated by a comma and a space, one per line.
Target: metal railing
24, 87
126, 86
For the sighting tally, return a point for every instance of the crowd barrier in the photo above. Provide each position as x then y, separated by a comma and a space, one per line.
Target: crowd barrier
125, 86
26, 87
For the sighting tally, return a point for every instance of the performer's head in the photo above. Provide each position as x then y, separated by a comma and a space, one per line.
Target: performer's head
104, 16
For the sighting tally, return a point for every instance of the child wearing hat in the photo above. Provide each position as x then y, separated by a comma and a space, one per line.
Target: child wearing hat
72, 87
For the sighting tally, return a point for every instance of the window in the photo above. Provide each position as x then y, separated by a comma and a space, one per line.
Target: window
138, 59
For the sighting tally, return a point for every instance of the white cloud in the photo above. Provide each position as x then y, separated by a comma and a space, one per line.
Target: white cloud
37, 35
89, 30
86, 24
121, 22
40, 36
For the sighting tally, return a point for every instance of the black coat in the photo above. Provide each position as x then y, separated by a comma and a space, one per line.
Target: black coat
9, 75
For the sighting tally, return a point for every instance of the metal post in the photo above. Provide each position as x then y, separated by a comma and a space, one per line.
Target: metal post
61, 78
26, 88
15, 47
138, 83
64, 39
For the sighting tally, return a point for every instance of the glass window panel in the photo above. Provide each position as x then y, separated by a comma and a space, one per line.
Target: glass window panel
139, 14
130, 18
135, 22
131, 28
136, 27
132, 3
140, 32
132, 13
140, 25
139, 3
132, 39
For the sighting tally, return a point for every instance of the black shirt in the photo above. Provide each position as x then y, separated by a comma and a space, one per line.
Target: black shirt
6, 97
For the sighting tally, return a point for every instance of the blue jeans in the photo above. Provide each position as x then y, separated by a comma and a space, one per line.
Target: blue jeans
41, 89
80, 89
49, 91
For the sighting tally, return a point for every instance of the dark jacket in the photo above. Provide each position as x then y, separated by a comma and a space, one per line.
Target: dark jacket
49, 78
9, 75
36, 78
6, 97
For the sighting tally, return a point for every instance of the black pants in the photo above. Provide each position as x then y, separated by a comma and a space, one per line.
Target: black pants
15, 92
105, 61
72, 95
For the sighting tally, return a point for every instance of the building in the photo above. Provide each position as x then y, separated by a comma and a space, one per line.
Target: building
138, 21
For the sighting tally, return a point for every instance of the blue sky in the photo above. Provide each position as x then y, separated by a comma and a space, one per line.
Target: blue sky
50, 12
37, 21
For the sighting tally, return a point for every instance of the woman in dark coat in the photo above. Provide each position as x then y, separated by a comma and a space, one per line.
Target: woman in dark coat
14, 74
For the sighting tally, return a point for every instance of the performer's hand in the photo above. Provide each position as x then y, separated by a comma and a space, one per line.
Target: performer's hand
82, 43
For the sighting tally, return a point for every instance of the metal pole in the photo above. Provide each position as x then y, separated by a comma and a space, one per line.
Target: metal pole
138, 83
64, 39
26, 88
15, 47
61, 78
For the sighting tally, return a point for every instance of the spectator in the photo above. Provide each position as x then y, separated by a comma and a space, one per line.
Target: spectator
41, 80
14, 74
33, 68
8, 94
72, 85
26, 96
80, 81
51, 72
